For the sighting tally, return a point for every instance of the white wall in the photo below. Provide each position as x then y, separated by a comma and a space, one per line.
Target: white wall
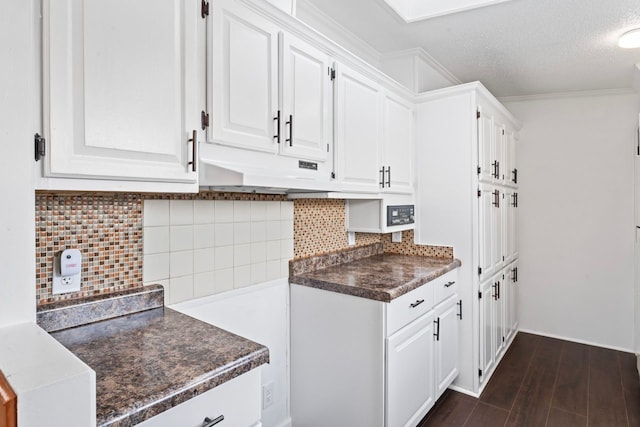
576, 229
17, 126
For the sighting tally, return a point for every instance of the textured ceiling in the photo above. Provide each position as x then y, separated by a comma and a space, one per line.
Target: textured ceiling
521, 47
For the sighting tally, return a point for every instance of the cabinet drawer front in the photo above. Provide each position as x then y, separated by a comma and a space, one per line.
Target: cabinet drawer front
409, 307
445, 286
238, 400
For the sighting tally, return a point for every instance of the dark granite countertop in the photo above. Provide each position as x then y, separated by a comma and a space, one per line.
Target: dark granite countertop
151, 361
379, 277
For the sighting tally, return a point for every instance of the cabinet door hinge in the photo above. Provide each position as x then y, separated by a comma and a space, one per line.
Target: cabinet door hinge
478, 114
327, 148
332, 73
40, 145
479, 193
479, 295
479, 170
502, 339
479, 270
503, 131
204, 120
333, 175
479, 372
204, 9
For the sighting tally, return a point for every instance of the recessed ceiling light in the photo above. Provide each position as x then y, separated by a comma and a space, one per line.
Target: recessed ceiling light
630, 39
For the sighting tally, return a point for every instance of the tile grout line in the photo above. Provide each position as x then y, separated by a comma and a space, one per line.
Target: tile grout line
624, 395
466, 420
555, 383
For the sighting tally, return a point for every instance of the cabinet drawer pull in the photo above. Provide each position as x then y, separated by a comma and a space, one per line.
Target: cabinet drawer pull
417, 303
194, 147
290, 123
277, 120
208, 422
459, 303
437, 333
449, 284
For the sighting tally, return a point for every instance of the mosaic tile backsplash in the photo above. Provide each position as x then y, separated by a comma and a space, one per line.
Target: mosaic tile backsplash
108, 230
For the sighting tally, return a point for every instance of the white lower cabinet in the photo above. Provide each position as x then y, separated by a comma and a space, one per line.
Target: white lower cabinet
236, 403
360, 362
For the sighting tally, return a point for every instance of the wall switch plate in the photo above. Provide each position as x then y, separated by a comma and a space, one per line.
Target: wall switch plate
396, 237
267, 395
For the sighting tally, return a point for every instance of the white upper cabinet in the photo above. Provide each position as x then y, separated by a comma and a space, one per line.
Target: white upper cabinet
397, 147
243, 83
358, 130
486, 143
305, 118
120, 95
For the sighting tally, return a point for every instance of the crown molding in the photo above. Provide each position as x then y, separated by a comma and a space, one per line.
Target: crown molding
570, 94
418, 52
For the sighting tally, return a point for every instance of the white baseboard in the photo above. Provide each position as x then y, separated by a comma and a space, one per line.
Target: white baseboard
595, 344
464, 391
285, 423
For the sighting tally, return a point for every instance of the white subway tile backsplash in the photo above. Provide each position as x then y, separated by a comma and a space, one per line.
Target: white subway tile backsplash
180, 264
273, 230
258, 252
181, 212
272, 211
203, 236
241, 233
241, 276
223, 234
223, 211
258, 210
203, 260
155, 267
204, 284
204, 211
241, 211
156, 240
155, 213
181, 289
201, 247
223, 257
181, 237
223, 280
241, 255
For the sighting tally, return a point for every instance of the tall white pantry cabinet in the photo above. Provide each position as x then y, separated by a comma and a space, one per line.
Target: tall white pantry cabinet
467, 197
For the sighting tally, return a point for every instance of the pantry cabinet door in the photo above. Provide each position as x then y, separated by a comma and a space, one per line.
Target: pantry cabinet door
486, 220
446, 354
397, 146
119, 89
410, 382
306, 101
486, 138
487, 328
358, 105
243, 78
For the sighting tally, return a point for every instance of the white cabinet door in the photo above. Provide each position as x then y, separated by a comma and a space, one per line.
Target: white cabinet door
410, 382
306, 84
498, 151
497, 229
487, 328
358, 105
500, 321
242, 85
487, 217
510, 236
397, 146
485, 146
511, 156
446, 347
119, 89
510, 300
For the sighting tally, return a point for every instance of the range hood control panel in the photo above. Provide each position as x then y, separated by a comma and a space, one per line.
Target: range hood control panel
400, 215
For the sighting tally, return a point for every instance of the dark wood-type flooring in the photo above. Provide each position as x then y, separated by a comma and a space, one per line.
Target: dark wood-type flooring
548, 382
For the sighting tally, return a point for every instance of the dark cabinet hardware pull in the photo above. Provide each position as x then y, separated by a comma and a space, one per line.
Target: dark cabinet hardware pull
514, 274
497, 169
495, 291
437, 333
417, 303
290, 123
449, 284
515, 176
194, 147
388, 176
459, 303
277, 120
208, 422
498, 289
496, 198
382, 177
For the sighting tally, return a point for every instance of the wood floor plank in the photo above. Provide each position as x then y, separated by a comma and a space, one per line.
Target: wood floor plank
559, 418
606, 398
452, 411
549, 349
505, 382
533, 402
571, 390
631, 386
485, 415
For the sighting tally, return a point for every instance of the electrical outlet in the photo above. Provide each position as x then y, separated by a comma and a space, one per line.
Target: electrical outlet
66, 281
267, 395
396, 237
